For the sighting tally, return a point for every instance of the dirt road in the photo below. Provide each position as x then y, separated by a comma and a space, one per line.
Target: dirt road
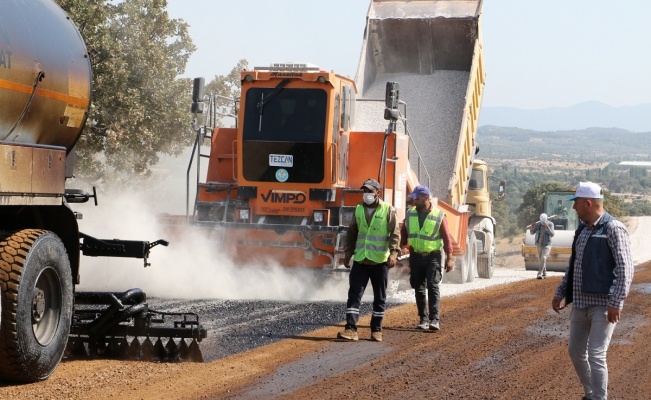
502, 342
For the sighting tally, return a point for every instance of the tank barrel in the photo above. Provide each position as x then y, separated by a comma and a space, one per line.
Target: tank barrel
45, 75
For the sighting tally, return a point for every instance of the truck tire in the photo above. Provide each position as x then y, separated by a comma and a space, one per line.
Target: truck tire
486, 265
37, 304
459, 273
472, 258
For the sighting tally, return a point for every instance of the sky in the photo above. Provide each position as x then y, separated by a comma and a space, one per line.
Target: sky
539, 54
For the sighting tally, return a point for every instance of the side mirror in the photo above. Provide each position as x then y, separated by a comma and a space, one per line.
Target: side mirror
198, 87
391, 114
501, 190
391, 97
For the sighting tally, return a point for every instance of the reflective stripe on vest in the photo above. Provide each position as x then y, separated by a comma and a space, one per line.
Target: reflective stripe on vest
372, 240
427, 238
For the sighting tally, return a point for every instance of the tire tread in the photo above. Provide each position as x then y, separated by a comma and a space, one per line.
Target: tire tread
14, 250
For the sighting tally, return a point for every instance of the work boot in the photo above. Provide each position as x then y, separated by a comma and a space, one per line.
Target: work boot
434, 325
376, 336
348, 334
539, 276
424, 324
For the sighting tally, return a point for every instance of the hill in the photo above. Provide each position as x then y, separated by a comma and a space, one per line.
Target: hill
589, 145
580, 116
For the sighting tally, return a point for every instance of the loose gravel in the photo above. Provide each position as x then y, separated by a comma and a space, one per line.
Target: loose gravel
435, 105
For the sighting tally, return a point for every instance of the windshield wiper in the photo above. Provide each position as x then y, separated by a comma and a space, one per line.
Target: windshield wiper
265, 100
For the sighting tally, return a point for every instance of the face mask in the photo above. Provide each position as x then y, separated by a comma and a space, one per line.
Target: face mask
369, 198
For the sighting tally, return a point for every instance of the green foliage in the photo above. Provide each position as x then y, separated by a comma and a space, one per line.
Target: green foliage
550, 158
226, 89
140, 107
637, 208
614, 205
524, 199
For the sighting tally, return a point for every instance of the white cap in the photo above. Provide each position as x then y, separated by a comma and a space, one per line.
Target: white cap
543, 217
587, 190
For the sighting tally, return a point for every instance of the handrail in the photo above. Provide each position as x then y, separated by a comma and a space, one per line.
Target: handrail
335, 165
209, 124
234, 149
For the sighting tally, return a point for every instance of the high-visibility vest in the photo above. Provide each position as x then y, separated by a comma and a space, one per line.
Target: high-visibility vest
373, 240
427, 238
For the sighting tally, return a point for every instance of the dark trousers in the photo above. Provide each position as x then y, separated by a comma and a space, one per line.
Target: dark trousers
425, 276
359, 277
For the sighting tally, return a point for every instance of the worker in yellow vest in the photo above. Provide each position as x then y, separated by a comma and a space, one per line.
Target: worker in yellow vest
373, 242
425, 230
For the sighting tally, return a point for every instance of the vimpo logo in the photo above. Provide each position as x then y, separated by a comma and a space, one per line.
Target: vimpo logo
284, 196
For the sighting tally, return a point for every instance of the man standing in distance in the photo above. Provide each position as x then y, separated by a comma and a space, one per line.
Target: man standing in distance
543, 231
597, 281
373, 242
426, 231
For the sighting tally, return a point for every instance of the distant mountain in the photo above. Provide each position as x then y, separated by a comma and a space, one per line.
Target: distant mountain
589, 114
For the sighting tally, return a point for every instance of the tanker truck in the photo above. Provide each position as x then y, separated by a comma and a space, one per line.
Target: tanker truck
283, 183
45, 95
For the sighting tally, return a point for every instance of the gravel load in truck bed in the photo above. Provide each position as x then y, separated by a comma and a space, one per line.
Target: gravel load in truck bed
435, 106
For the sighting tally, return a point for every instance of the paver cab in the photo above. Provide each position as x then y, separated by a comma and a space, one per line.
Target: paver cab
283, 183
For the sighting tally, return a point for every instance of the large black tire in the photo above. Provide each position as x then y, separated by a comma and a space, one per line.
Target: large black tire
37, 303
485, 267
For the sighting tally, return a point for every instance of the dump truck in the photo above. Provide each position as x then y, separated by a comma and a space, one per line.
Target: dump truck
283, 183
45, 96
565, 220
434, 50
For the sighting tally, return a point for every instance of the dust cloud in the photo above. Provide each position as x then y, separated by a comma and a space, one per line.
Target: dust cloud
192, 267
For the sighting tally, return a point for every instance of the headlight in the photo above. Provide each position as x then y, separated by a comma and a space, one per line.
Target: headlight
244, 214
321, 217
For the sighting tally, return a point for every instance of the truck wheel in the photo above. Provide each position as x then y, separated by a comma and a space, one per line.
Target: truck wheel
37, 303
459, 273
486, 266
472, 258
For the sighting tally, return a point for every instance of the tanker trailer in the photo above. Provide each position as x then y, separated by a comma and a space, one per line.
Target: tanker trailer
45, 95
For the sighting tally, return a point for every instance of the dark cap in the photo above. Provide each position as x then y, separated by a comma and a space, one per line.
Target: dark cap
371, 184
419, 190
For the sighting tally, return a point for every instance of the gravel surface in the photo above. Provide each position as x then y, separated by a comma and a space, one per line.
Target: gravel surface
493, 345
235, 326
433, 118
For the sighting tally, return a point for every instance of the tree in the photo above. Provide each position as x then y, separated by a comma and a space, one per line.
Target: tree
140, 107
613, 205
532, 202
226, 89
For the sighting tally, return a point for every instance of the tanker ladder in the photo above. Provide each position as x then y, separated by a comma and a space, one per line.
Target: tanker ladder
121, 325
